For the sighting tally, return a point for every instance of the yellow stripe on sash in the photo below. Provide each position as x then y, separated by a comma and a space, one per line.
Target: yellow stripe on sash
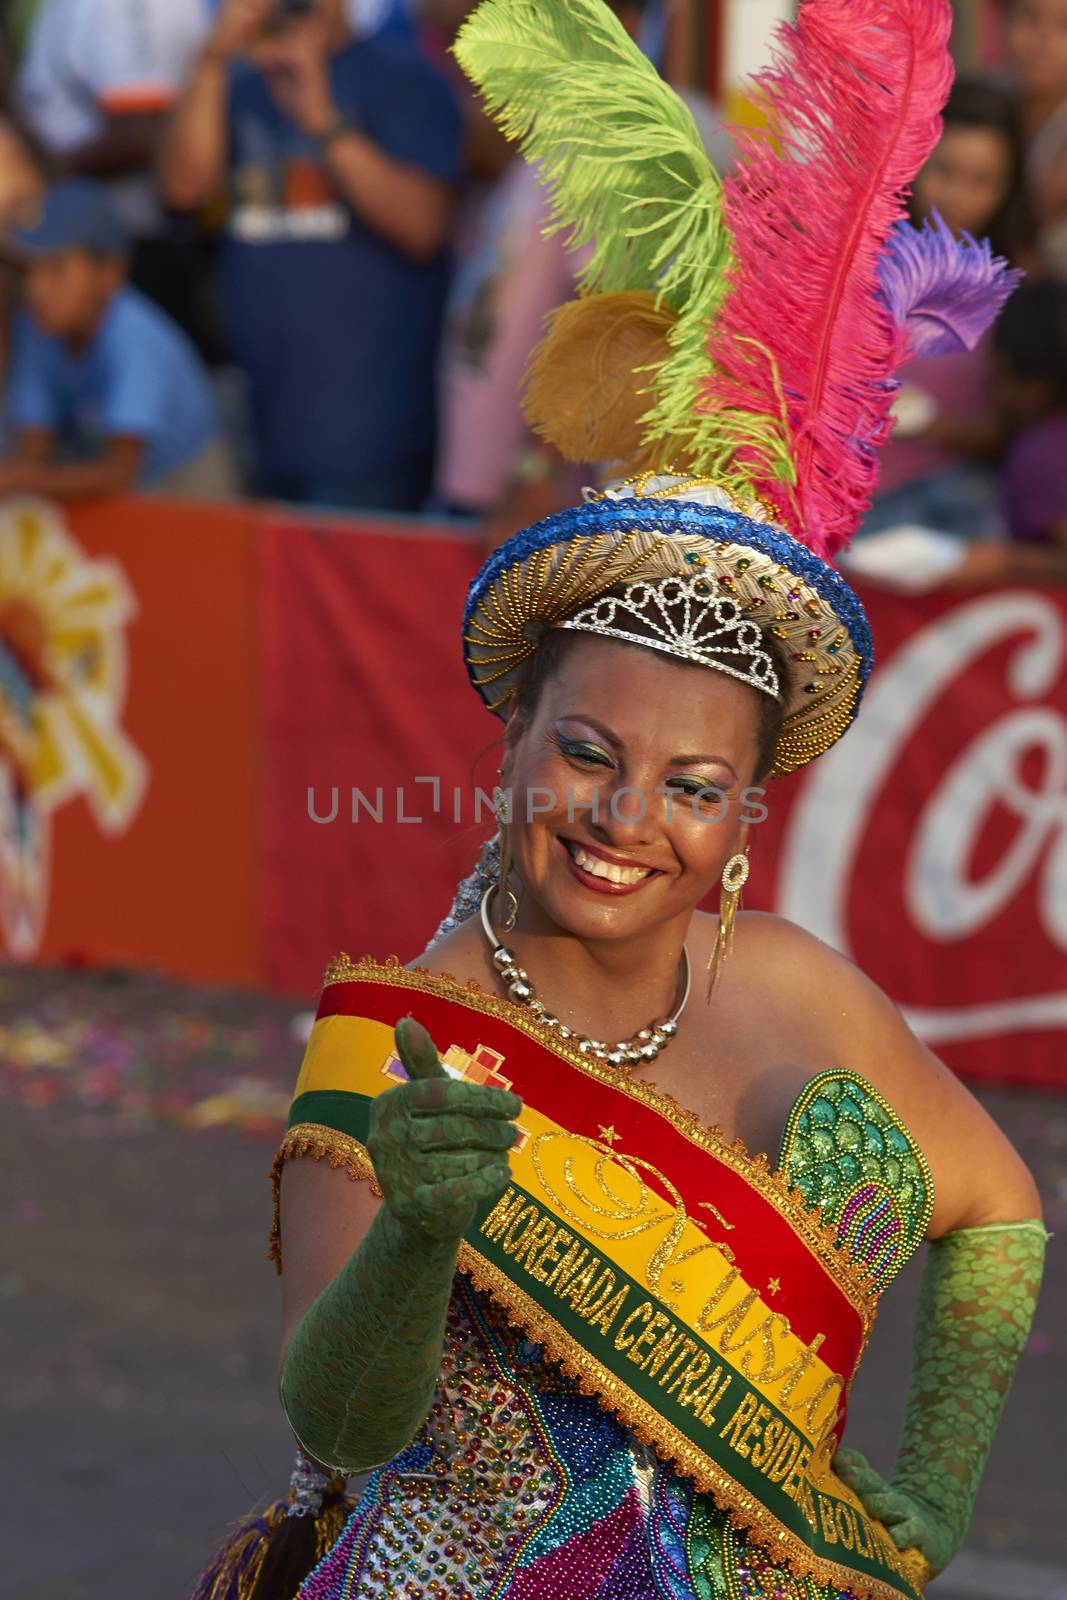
589, 1209
346, 1053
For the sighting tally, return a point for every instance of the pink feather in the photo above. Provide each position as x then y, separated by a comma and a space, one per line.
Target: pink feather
852, 102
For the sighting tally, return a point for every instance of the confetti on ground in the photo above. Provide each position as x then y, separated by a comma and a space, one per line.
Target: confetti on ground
133, 1047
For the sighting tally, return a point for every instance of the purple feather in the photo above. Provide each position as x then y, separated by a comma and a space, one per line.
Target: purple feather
941, 292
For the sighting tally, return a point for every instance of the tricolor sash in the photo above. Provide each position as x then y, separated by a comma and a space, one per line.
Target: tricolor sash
678, 1279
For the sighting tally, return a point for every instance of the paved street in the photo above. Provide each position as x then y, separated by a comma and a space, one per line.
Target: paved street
140, 1314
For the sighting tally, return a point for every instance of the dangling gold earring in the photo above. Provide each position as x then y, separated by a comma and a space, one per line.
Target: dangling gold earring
734, 878
505, 898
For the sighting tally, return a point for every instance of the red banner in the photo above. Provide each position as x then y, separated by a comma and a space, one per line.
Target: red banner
218, 728
370, 730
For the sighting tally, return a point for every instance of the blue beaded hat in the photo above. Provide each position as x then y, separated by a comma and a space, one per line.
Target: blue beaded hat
734, 344
545, 574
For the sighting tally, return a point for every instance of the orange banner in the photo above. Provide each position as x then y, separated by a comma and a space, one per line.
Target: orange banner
128, 736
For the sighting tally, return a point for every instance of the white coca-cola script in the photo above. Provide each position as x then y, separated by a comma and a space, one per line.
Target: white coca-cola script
944, 903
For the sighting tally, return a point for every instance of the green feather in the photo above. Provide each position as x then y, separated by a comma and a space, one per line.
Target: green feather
626, 169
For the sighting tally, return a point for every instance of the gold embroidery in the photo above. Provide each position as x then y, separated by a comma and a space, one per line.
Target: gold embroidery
592, 1288
788, 1200
593, 1294
916, 1568
770, 1353
639, 1214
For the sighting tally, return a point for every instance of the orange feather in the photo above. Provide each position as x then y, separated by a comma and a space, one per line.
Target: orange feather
592, 379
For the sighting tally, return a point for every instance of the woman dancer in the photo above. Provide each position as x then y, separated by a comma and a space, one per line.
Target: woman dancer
585, 1344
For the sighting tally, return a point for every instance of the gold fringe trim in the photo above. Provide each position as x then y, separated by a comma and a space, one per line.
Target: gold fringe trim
652, 1429
853, 1278
916, 1568
315, 1140
593, 1378
330, 1524
248, 1548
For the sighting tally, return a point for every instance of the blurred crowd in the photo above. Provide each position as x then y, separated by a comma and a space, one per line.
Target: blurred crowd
275, 247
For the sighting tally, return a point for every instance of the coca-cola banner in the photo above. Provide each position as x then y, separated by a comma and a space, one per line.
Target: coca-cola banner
930, 844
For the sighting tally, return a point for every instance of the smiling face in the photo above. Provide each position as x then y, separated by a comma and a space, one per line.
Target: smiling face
601, 853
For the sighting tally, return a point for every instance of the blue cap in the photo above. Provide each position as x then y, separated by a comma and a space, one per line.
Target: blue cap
75, 214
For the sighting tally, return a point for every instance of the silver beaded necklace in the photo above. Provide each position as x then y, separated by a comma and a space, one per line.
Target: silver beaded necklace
644, 1046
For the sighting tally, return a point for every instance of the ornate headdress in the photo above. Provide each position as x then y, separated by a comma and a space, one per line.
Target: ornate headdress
733, 343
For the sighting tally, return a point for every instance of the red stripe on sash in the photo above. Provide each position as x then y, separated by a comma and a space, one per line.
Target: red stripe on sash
769, 1249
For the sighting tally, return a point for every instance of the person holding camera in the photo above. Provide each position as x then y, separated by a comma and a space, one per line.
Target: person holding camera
340, 157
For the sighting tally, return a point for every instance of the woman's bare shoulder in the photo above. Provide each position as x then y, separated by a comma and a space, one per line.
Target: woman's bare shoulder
461, 954
796, 954
860, 1023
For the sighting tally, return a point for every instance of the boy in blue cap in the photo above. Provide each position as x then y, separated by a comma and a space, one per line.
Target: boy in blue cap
105, 393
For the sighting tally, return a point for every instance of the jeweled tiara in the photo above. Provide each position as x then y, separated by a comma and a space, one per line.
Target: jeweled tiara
683, 617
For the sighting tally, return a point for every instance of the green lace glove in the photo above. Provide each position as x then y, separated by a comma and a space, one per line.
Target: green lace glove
360, 1371
976, 1303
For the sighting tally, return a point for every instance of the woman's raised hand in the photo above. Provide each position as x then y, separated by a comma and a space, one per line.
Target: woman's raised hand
439, 1146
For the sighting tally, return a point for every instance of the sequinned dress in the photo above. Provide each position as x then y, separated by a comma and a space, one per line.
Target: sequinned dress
520, 1487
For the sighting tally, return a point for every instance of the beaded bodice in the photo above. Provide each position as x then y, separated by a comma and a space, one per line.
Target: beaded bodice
851, 1156
521, 1487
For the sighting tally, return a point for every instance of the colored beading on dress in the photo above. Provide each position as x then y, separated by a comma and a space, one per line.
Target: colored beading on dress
519, 1486
854, 1159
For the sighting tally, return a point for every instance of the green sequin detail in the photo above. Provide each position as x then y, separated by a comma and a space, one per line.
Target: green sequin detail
851, 1156
725, 1565
707, 1544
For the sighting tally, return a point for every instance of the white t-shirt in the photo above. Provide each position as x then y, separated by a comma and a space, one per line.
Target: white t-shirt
86, 60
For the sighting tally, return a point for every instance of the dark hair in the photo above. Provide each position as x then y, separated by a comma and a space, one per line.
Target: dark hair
1031, 335
977, 103
548, 658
